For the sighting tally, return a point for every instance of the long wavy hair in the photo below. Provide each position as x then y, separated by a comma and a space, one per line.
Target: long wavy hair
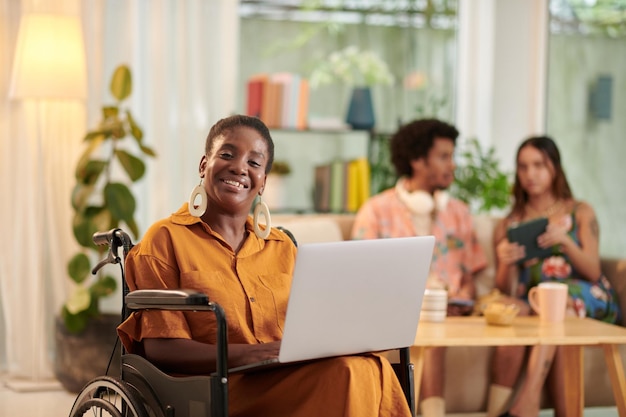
560, 186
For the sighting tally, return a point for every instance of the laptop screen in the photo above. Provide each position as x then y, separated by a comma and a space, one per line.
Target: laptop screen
355, 296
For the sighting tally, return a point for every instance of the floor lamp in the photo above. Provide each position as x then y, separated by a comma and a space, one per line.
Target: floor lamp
48, 69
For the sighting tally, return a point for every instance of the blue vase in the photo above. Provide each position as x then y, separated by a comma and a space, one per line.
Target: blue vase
361, 111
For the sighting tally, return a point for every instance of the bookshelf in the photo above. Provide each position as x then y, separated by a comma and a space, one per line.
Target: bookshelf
306, 149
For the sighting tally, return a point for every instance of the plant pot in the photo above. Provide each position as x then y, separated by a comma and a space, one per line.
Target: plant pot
80, 357
275, 194
361, 110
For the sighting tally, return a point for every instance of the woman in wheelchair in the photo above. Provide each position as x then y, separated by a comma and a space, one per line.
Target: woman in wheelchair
215, 246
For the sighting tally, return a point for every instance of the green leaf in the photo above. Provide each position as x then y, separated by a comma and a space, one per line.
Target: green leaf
84, 227
79, 300
92, 219
146, 150
75, 323
102, 219
89, 173
79, 268
121, 83
135, 130
134, 167
119, 200
94, 134
80, 196
103, 287
479, 181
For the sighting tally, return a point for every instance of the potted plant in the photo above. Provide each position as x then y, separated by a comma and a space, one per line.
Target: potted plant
359, 69
274, 194
479, 181
101, 200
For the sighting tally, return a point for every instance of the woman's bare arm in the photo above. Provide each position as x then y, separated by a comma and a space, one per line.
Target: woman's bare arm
507, 254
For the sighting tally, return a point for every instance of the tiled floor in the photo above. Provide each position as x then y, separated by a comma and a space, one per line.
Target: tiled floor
57, 403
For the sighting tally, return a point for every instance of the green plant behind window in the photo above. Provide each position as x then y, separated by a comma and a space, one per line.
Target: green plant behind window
479, 181
101, 203
382, 172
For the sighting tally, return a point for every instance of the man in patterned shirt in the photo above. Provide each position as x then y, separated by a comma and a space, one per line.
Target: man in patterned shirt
422, 153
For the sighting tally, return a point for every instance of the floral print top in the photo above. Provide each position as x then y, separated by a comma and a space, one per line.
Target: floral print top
456, 251
595, 300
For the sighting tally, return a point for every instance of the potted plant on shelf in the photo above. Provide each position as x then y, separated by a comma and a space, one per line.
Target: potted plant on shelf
274, 194
359, 69
101, 201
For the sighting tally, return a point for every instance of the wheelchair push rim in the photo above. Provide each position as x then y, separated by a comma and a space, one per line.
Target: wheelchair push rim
109, 397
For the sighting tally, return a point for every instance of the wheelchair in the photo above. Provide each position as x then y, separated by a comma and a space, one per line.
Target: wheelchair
142, 390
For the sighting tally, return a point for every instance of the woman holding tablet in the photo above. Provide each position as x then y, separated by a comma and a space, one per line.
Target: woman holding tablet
568, 246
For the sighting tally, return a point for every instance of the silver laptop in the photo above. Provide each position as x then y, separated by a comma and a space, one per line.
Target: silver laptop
352, 297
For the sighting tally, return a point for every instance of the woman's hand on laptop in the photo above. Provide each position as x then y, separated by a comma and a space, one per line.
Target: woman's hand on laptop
243, 354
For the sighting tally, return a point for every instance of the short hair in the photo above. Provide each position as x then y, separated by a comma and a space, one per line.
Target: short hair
414, 140
560, 186
239, 120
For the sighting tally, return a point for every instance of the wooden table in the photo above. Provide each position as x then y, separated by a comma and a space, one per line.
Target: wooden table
573, 334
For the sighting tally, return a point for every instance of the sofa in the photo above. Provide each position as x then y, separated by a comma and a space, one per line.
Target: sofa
467, 369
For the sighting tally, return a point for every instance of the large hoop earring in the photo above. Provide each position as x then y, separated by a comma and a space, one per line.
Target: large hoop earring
261, 209
198, 190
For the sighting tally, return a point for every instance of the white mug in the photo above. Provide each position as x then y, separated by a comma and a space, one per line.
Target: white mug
434, 305
549, 300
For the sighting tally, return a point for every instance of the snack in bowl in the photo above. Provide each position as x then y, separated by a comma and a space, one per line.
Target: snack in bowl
500, 314
483, 301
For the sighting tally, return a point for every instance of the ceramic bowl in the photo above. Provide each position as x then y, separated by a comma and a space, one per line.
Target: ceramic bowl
500, 314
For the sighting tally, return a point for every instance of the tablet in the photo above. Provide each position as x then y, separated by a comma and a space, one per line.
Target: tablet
526, 234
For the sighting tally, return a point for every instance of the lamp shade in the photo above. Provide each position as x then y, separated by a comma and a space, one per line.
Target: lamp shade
49, 59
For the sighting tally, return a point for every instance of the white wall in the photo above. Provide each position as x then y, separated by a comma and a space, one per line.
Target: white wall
592, 150
502, 72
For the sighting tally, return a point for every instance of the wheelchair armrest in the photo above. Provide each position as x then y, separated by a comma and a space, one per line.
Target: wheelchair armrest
166, 299
186, 300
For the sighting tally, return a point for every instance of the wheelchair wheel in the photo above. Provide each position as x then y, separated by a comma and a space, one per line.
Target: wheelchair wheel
109, 397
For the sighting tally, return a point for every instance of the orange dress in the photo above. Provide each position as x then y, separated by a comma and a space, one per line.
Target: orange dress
252, 286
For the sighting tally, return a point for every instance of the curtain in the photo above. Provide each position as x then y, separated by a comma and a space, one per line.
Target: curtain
183, 59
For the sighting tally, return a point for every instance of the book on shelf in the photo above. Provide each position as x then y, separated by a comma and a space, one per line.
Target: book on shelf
280, 99
351, 193
341, 186
337, 186
255, 90
362, 183
270, 102
321, 189
302, 113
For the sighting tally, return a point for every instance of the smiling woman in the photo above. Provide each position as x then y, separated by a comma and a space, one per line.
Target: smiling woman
247, 270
